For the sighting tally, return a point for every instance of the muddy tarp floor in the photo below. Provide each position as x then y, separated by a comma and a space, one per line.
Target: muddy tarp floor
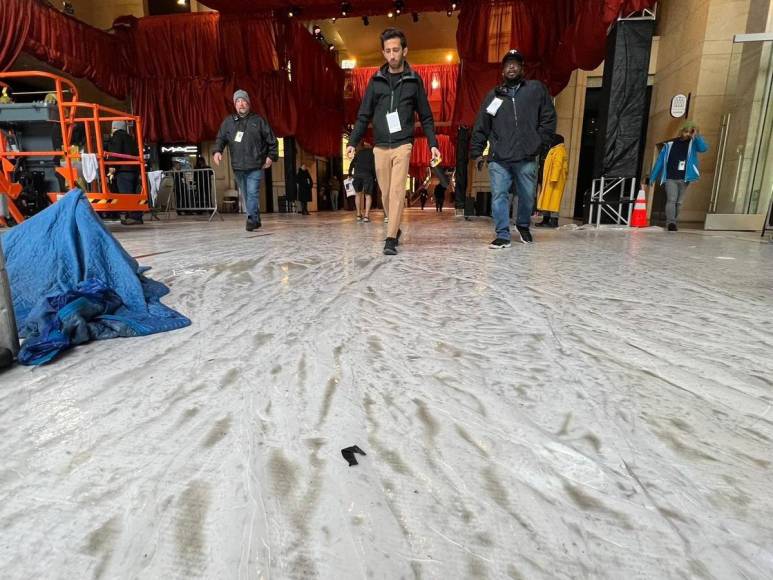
595, 405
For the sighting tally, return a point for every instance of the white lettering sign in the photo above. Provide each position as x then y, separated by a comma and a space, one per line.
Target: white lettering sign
190, 149
678, 106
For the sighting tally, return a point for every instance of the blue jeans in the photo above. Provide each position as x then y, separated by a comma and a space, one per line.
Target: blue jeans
524, 174
249, 184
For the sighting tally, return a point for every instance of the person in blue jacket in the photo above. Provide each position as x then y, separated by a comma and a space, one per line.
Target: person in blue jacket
677, 167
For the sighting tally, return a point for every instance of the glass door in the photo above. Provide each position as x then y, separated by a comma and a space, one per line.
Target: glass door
743, 181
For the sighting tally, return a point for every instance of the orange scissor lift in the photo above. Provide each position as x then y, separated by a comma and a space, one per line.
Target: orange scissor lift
71, 112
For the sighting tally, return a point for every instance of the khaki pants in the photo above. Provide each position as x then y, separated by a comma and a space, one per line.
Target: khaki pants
392, 172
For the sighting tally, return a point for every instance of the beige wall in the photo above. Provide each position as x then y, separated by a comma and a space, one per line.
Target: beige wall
694, 58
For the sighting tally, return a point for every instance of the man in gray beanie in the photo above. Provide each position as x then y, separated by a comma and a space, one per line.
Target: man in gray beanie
253, 148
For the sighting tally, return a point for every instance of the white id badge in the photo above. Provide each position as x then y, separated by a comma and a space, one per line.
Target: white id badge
239, 135
494, 106
393, 120
681, 165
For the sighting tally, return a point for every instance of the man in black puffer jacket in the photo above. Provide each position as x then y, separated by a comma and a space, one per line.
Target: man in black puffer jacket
253, 148
517, 118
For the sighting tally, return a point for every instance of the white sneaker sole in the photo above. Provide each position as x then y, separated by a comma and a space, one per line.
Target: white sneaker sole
496, 247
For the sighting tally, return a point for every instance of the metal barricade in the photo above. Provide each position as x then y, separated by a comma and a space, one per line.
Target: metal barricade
193, 191
619, 204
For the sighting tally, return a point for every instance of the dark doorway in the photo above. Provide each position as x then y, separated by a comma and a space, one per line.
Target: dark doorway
590, 129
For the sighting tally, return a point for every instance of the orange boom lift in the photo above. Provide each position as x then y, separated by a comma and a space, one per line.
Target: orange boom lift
64, 115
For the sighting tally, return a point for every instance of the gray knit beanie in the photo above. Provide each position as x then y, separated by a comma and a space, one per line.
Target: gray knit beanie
117, 125
240, 94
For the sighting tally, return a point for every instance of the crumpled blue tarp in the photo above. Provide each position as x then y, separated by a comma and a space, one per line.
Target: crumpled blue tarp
64, 257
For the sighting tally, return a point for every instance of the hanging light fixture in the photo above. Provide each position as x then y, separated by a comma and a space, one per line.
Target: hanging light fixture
293, 12
399, 6
346, 9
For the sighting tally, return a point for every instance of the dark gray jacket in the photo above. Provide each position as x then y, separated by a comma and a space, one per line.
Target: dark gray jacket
257, 143
523, 124
408, 97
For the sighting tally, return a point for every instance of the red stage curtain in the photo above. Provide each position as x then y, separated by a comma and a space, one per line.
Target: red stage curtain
15, 19
556, 37
75, 48
421, 156
318, 84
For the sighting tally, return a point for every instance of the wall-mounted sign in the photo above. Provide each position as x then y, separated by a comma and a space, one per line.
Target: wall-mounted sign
187, 149
678, 106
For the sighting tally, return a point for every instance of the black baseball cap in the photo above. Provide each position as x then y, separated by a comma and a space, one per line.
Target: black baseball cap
512, 54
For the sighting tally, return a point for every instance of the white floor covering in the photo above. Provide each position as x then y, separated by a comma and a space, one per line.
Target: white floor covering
595, 405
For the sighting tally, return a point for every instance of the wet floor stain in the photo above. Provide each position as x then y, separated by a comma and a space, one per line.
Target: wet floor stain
261, 339
468, 438
218, 432
327, 399
229, 378
284, 475
100, 543
192, 509
587, 502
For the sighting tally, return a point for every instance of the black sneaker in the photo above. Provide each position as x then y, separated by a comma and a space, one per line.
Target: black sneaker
545, 223
390, 247
499, 244
525, 235
251, 226
672, 228
399, 233
553, 223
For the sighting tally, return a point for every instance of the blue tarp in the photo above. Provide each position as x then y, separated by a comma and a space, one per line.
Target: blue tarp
71, 280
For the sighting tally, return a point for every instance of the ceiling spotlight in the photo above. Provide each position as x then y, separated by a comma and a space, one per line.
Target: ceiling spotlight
293, 12
399, 5
316, 30
415, 16
365, 20
67, 8
333, 19
181, 2
331, 48
450, 13
453, 5
391, 14
346, 8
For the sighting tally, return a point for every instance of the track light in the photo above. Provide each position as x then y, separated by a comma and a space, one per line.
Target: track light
450, 13
317, 31
333, 20
365, 20
391, 14
346, 8
331, 48
293, 12
415, 16
181, 2
399, 5
67, 8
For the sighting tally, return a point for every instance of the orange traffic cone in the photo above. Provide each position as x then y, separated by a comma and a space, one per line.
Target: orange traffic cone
639, 215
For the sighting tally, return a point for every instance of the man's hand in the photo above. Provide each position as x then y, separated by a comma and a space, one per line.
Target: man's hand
479, 162
350, 151
217, 158
268, 163
436, 153
111, 171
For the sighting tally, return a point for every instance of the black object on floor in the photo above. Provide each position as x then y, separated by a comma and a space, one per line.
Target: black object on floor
6, 360
349, 452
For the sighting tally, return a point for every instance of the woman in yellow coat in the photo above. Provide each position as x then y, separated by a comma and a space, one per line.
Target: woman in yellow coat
553, 182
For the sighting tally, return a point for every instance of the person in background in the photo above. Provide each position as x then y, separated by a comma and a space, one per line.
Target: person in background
423, 195
363, 171
554, 176
677, 167
518, 119
334, 186
126, 177
253, 148
304, 184
394, 96
440, 197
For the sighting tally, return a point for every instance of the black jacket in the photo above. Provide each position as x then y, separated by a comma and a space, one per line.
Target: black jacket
123, 143
304, 184
522, 125
257, 143
364, 164
407, 97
